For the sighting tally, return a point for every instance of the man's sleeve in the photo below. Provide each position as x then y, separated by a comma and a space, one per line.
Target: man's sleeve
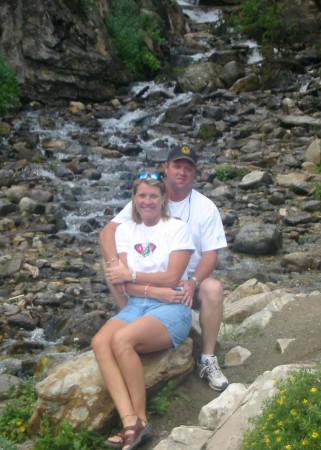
213, 234
124, 215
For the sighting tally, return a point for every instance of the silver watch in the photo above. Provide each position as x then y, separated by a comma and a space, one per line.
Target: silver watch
197, 283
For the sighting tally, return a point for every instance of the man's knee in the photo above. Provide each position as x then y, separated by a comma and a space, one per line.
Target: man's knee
211, 290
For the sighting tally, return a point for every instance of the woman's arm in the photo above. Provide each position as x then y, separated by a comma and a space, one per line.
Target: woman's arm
177, 263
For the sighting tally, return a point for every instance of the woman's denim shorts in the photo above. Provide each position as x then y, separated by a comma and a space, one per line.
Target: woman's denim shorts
176, 317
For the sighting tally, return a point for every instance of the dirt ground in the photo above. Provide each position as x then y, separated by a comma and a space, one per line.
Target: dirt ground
300, 320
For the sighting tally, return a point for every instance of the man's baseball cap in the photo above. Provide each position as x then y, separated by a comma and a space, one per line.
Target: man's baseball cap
182, 152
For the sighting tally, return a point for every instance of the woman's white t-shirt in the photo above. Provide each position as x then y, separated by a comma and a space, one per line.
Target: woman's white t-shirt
148, 248
202, 218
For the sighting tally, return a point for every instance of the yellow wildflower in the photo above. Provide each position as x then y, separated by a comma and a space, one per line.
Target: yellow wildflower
280, 423
22, 429
313, 390
305, 401
288, 447
304, 443
293, 412
270, 416
314, 435
277, 431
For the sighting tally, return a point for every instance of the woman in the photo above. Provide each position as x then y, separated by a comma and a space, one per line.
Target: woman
153, 251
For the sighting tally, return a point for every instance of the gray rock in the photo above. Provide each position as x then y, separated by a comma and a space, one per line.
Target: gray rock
258, 239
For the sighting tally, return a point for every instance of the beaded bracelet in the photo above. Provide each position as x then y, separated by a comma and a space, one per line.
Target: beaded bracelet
146, 287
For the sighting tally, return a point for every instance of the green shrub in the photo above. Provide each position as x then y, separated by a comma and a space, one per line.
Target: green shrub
129, 29
66, 438
267, 22
160, 402
5, 444
225, 172
9, 91
17, 412
291, 420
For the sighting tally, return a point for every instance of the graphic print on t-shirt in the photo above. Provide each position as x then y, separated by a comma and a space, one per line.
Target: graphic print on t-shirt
145, 249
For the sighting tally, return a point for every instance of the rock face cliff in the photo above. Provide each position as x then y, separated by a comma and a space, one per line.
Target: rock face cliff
61, 52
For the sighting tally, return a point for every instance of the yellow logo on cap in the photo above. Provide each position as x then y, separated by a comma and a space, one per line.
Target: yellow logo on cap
186, 150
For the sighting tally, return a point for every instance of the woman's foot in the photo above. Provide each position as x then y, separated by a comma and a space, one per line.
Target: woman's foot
116, 441
135, 435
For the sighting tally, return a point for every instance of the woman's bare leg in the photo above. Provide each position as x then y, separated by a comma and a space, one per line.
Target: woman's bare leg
109, 369
144, 335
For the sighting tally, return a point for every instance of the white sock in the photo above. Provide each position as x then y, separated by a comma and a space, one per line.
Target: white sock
203, 358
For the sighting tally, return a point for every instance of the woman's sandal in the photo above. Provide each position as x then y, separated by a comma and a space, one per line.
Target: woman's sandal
119, 443
135, 435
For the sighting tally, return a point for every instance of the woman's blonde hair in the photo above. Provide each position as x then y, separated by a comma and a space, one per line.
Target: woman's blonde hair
163, 190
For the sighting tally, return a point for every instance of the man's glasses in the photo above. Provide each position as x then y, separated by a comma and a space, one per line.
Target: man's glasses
152, 176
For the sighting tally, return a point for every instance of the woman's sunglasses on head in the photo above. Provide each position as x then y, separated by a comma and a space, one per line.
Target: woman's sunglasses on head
152, 176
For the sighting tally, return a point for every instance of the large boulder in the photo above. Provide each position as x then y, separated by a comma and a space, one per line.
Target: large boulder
75, 390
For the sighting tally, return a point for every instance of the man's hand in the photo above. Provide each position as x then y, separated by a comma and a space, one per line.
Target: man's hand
188, 291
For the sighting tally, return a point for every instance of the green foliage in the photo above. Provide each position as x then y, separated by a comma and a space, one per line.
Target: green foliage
317, 192
5, 444
129, 29
290, 420
267, 22
66, 438
225, 172
318, 168
159, 403
17, 412
9, 91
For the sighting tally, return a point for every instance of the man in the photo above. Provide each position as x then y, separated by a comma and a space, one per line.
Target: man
207, 230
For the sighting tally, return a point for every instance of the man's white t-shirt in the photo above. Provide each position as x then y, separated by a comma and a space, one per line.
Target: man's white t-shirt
148, 248
202, 218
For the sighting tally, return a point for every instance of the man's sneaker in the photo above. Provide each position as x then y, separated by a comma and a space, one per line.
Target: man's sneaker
211, 371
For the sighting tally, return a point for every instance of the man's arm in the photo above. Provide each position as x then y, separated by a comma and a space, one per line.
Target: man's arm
206, 265
107, 242
110, 259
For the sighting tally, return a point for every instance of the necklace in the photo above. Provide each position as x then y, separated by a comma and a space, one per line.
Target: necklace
182, 212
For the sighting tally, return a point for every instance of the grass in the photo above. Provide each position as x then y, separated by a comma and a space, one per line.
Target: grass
160, 402
9, 90
317, 192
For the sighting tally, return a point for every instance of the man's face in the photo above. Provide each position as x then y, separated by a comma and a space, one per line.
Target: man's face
180, 173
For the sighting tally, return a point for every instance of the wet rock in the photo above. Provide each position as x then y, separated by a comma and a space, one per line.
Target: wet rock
7, 382
201, 77
255, 178
6, 208
298, 218
9, 266
258, 239
23, 321
313, 153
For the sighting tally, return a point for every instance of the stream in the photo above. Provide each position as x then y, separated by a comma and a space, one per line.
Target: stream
88, 159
